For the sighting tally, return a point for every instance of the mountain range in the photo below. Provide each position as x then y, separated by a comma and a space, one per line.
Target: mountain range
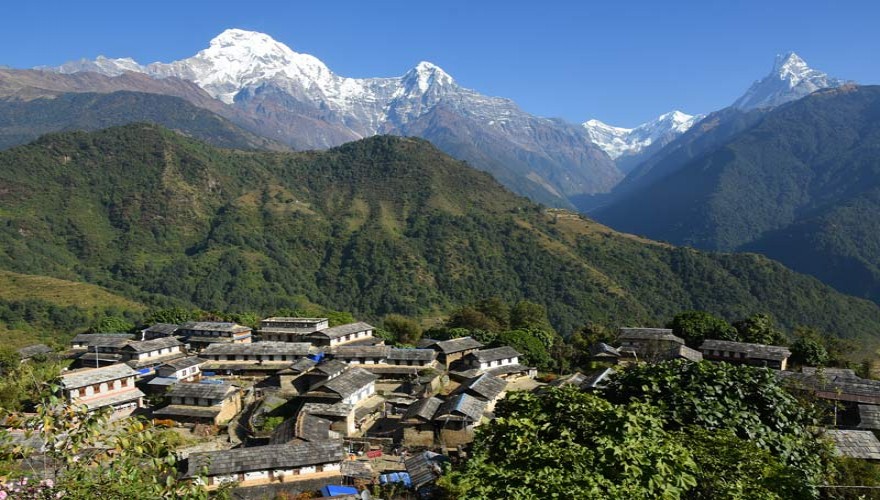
379, 225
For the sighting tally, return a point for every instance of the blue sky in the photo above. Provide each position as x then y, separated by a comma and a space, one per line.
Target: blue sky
621, 62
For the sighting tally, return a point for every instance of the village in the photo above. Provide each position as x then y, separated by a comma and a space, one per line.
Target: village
300, 406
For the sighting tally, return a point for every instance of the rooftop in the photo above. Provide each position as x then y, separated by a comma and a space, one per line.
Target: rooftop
453, 345
834, 387
395, 353
183, 363
335, 332
91, 376
869, 417
152, 345
855, 444
214, 326
485, 386
162, 328
461, 407
259, 458
349, 382
260, 348
201, 391
648, 334
424, 408
101, 338
495, 354
34, 350
753, 351
360, 351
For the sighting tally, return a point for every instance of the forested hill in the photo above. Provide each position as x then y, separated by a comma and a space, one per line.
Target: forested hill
801, 185
376, 226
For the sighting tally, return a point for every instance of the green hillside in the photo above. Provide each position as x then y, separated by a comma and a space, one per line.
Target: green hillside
800, 186
22, 121
376, 226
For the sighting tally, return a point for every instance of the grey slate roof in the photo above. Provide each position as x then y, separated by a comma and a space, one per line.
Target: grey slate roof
601, 349
34, 350
395, 354
102, 339
424, 468
167, 329
328, 410
502, 370
260, 348
835, 387
596, 379
152, 345
648, 334
752, 351
485, 386
360, 351
683, 351
839, 372
349, 382
855, 444
115, 398
358, 469
188, 411
334, 332
454, 345
495, 354
331, 367
269, 457
424, 408
203, 391
183, 363
302, 365
461, 407
869, 417
310, 427
93, 376
214, 326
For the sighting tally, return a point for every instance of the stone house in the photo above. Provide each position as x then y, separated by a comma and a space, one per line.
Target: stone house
159, 330
201, 334
286, 329
770, 356
257, 358
267, 464
95, 388
151, 352
182, 369
351, 387
353, 332
213, 404
450, 351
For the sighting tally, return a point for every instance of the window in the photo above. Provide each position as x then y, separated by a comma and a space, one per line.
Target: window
96, 389
124, 382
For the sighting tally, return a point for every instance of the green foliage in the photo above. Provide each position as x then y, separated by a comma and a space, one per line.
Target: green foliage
696, 326
405, 330
747, 401
855, 472
759, 329
20, 382
525, 315
568, 444
809, 348
172, 315
529, 344
380, 226
113, 324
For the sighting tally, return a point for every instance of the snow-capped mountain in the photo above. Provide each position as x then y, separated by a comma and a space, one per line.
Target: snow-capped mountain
789, 80
302, 102
619, 141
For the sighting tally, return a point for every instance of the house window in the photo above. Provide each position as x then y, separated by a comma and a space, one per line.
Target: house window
124, 382
96, 388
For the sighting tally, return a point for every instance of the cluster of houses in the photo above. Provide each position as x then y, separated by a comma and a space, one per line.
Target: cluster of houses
345, 385
432, 396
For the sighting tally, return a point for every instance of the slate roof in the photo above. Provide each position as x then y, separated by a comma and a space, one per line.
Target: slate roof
327, 410
93, 376
331, 367
424, 408
454, 345
839, 372
869, 417
214, 326
162, 329
499, 371
835, 387
395, 354
202, 391
485, 386
596, 379
310, 427
358, 469
301, 365
423, 468
360, 351
102, 338
752, 351
34, 350
259, 458
648, 334
855, 444
495, 354
461, 406
183, 363
115, 398
334, 332
575, 379
349, 382
683, 351
152, 345
601, 349
188, 411
260, 348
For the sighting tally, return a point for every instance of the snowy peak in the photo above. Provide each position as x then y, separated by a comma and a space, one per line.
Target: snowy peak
425, 75
619, 141
790, 79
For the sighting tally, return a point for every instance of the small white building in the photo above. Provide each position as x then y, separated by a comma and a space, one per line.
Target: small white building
181, 369
342, 334
100, 387
151, 352
287, 329
491, 358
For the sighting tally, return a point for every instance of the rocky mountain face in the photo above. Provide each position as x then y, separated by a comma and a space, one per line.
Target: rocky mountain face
306, 105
